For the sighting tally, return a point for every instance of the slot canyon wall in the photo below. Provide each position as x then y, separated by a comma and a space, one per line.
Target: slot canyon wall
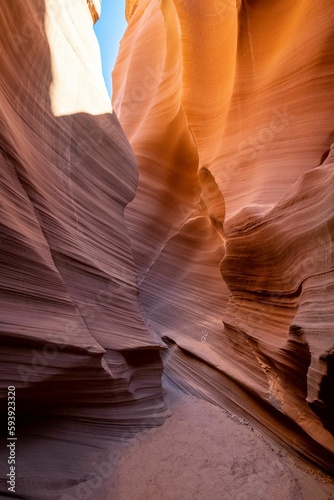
74, 338
228, 107
194, 229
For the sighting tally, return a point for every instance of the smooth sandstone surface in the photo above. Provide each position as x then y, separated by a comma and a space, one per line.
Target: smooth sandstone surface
74, 337
228, 107
190, 225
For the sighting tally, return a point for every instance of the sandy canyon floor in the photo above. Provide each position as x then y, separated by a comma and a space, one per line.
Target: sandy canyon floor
203, 452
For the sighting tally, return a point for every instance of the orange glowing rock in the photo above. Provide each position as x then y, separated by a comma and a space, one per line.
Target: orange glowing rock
228, 107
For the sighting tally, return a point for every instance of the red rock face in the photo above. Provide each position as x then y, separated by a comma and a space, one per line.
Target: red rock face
206, 225
72, 330
228, 107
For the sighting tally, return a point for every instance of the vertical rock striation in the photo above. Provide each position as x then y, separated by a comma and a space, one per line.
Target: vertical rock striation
228, 107
206, 226
73, 334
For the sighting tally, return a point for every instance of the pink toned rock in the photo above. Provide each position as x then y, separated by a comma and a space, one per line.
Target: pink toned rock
228, 107
73, 330
200, 218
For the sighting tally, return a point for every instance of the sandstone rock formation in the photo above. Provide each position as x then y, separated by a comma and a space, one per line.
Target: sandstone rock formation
198, 224
72, 330
228, 107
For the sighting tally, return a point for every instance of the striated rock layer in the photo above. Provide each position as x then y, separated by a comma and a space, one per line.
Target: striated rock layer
220, 247
74, 337
228, 107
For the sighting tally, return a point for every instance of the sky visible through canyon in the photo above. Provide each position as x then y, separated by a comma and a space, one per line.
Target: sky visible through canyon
109, 30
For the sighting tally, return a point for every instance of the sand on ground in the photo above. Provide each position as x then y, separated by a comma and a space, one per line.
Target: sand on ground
202, 452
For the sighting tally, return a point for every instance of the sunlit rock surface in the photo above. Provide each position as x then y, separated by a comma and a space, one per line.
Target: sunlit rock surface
74, 337
228, 107
205, 227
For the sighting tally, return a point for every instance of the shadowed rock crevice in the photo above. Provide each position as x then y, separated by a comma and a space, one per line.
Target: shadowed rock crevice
324, 407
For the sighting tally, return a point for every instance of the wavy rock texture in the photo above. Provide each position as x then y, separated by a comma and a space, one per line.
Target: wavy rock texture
221, 249
73, 333
228, 107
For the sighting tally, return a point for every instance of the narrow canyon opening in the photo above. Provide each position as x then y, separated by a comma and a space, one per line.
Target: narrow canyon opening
166, 255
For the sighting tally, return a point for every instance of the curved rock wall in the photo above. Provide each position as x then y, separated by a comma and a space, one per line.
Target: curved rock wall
220, 247
73, 333
228, 107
